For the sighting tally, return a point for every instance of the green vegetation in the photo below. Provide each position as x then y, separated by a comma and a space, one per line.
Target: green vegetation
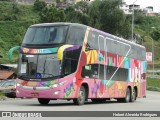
2, 97
12, 11
153, 84
14, 21
11, 34
104, 15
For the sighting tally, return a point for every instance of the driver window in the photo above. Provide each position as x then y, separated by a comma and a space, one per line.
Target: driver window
53, 32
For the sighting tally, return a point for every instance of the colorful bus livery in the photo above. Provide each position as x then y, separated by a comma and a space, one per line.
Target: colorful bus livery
74, 61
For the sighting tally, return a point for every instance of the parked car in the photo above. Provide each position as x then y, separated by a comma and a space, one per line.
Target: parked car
7, 87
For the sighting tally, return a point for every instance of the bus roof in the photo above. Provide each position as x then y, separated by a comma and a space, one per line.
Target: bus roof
57, 23
77, 24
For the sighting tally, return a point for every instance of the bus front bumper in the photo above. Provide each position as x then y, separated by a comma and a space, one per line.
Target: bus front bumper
39, 92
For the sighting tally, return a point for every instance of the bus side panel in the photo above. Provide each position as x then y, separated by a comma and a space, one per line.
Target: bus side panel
137, 76
143, 79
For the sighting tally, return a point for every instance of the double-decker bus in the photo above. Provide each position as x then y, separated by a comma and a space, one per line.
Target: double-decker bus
74, 61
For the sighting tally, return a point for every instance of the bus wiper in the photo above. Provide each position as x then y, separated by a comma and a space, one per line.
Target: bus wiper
22, 77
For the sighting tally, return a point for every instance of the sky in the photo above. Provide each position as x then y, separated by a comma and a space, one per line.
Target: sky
145, 3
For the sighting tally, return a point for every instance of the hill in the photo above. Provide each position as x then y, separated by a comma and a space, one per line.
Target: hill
15, 19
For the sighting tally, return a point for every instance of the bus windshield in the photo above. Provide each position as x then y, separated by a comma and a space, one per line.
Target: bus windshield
39, 66
45, 35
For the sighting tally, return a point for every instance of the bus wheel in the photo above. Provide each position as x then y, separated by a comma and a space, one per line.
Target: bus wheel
81, 97
133, 96
127, 97
43, 101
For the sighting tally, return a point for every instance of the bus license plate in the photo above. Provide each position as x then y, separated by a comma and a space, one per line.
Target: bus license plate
34, 94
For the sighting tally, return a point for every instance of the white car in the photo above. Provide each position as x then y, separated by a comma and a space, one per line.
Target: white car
7, 87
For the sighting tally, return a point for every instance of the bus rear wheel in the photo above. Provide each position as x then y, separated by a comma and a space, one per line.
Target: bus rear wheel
133, 96
127, 97
43, 101
81, 97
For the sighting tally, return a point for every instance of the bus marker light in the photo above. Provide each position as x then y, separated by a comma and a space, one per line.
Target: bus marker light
56, 93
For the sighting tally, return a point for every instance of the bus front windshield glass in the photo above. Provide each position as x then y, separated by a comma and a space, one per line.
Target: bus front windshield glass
39, 66
45, 35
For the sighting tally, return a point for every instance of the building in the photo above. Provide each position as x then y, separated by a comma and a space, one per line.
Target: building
135, 7
7, 72
148, 11
31, 2
125, 7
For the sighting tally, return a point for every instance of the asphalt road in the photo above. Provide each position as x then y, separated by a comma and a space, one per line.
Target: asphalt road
150, 103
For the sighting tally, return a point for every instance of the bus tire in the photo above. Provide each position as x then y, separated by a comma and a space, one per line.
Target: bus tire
127, 97
81, 97
43, 101
133, 96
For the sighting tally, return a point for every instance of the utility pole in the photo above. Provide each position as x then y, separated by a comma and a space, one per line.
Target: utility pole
133, 19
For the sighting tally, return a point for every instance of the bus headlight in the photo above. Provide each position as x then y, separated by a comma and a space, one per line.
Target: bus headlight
55, 85
56, 93
58, 84
62, 83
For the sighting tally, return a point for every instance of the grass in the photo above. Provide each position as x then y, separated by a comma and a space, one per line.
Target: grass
22, 12
14, 21
11, 34
2, 97
153, 84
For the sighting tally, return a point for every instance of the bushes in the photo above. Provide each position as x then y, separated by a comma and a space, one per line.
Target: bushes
12, 12
11, 34
39, 5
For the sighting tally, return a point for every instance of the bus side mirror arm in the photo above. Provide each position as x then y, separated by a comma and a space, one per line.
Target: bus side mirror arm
11, 51
88, 47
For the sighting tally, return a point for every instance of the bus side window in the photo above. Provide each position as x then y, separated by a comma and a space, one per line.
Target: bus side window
139, 54
143, 55
102, 43
76, 35
108, 44
132, 52
92, 43
90, 71
113, 50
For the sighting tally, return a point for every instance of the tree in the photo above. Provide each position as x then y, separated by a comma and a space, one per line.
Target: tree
39, 5
18, 38
15, 8
6, 0
82, 7
52, 14
94, 13
75, 16
156, 34
107, 16
139, 17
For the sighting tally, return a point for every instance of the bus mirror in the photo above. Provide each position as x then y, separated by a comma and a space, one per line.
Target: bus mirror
11, 51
